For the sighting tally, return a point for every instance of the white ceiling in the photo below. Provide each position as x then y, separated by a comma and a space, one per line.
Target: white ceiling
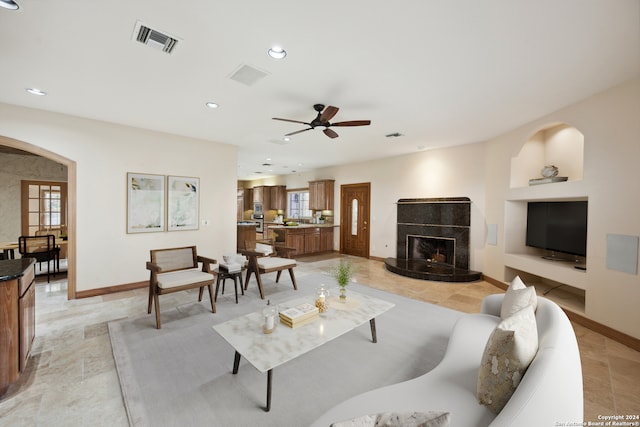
441, 72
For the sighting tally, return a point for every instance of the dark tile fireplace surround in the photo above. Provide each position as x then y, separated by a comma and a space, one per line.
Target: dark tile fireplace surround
433, 240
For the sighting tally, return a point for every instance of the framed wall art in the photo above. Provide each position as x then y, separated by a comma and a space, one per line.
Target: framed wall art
183, 195
145, 203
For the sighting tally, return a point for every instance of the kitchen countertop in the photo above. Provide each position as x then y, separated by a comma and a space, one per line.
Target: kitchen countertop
282, 226
14, 268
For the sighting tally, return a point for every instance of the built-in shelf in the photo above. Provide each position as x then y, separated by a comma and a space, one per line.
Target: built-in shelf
558, 271
561, 145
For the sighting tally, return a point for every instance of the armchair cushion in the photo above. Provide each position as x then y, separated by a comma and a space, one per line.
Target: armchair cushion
182, 277
269, 263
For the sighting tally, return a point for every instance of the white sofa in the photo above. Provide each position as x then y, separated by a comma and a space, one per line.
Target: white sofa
549, 393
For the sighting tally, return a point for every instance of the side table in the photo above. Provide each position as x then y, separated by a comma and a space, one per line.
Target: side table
223, 275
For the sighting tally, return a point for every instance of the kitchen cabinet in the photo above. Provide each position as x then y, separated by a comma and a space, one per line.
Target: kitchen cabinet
321, 195
311, 240
244, 202
278, 197
262, 194
258, 193
326, 239
240, 205
305, 239
294, 238
246, 236
248, 199
17, 315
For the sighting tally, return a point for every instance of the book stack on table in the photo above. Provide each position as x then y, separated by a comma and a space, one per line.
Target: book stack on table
299, 315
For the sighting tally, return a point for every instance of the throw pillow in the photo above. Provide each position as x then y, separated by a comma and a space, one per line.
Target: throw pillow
265, 249
517, 297
398, 419
509, 351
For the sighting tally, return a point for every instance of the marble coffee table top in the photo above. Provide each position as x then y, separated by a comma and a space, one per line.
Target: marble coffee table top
267, 351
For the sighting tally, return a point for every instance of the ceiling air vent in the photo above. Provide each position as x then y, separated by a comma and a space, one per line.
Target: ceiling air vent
154, 38
247, 75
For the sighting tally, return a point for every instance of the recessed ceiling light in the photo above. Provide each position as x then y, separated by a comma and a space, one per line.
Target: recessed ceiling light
286, 138
35, 91
277, 52
212, 105
9, 4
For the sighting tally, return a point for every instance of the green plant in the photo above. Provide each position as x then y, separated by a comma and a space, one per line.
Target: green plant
343, 273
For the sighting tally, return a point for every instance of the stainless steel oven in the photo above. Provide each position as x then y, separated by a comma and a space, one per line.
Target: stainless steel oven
259, 220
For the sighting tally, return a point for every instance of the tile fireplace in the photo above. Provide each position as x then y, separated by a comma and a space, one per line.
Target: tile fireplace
433, 240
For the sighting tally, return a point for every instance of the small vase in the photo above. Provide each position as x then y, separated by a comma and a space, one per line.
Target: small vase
343, 294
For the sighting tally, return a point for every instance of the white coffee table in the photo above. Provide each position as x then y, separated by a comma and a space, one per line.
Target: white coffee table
264, 351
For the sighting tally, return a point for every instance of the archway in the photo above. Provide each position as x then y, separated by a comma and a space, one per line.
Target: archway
71, 201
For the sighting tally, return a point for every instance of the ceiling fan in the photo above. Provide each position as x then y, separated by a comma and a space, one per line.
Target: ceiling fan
322, 119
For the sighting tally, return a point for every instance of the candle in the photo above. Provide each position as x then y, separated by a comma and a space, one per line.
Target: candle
268, 322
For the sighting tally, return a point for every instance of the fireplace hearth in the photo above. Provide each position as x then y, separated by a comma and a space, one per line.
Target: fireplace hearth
433, 240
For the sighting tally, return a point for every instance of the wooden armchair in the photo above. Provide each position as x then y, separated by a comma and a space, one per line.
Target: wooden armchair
264, 257
174, 270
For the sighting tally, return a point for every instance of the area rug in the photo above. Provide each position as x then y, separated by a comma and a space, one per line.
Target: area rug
181, 375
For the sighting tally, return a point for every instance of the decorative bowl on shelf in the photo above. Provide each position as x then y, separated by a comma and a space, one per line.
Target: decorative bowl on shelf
549, 171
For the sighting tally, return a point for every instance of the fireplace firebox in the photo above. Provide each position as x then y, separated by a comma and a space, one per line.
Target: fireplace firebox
433, 240
431, 249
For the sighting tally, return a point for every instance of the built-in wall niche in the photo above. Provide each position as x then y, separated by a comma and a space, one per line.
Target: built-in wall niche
519, 256
561, 145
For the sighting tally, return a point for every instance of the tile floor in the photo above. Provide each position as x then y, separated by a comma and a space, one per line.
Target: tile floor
71, 378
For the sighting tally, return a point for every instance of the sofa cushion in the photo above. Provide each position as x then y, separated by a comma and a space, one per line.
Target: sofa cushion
398, 419
517, 297
182, 277
507, 355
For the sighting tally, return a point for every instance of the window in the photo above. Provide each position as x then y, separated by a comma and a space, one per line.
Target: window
43, 206
298, 204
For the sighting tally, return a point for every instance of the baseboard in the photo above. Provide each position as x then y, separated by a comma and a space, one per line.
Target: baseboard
111, 289
582, 320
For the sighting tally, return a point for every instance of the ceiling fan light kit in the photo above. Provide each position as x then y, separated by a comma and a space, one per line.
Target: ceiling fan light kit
9, 4
322, 119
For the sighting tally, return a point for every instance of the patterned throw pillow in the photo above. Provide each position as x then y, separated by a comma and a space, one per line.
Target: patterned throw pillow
398, 419
517, 297
509, 351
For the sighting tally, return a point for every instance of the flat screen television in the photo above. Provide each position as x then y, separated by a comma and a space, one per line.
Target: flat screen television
558, 227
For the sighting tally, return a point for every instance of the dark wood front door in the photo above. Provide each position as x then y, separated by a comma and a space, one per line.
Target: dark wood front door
354, 219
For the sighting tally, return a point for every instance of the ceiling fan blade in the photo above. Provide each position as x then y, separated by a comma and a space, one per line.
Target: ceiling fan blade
298, 131
292, 121
328, 113
353, 123
330, 133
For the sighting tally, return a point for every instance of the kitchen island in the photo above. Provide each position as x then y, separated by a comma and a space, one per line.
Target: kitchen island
17, 317
306, 239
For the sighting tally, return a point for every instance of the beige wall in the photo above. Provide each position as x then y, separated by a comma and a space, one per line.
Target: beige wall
104, 153
454, 172
13, 169
610, 124
611, 152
